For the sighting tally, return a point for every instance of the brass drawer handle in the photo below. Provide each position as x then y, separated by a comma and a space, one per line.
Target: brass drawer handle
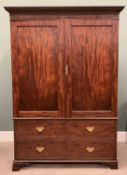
90, 128
40, 149
90, 149
39, 128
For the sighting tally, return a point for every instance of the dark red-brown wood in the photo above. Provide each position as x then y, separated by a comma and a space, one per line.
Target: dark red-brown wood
63, 10
63, 150
65, 83
89, 45
39, 66
65, 129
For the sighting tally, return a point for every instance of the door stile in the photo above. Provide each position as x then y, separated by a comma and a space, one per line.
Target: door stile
68, 77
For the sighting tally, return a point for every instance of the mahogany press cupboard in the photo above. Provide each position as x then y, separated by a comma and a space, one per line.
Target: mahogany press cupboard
64, 69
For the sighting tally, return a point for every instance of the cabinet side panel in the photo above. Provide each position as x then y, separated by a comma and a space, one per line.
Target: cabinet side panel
14, 67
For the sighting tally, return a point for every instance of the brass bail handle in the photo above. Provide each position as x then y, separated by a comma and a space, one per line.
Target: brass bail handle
90, 149
90, 128
39, 129
40, 149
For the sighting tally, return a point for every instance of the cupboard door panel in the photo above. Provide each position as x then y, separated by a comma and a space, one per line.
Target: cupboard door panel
37, 68
91, 68
90, 60
40, 69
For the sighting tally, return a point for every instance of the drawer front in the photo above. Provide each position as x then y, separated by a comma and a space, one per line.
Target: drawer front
26, 129
58, 150
93, 151
90, 129
71, 129
40, 150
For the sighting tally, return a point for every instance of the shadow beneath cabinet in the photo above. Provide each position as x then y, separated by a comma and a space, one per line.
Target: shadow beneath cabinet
59, 166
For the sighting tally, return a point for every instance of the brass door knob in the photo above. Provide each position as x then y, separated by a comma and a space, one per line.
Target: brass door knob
40, 149
39, 128
90, 149
90, 128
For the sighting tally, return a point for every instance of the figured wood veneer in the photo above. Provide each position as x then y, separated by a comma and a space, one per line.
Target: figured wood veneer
64, 69
64, 129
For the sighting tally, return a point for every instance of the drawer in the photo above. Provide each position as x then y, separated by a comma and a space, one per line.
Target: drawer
92, 128
40, 150
64, 150
64, 128
92, 150
39, 128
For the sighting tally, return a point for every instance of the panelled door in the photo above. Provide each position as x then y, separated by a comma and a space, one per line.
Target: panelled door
64, 68
38, 66
92, 70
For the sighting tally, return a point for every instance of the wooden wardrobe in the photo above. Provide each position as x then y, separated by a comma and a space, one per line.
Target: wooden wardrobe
65, 76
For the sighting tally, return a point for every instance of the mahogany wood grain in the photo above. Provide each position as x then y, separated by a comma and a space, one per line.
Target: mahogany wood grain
101, 151
65, 129
54, 150
38, 65
65, 84
17, 164
65, 10
25, 17
92, 67
100, 93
